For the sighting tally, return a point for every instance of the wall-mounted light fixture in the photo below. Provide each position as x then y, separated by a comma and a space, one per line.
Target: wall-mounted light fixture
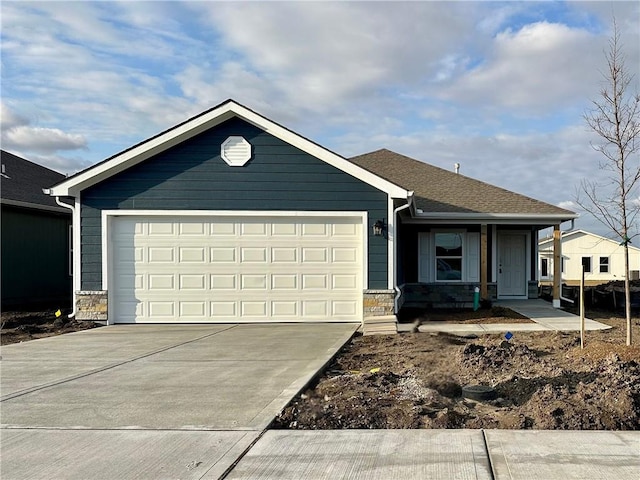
378, 228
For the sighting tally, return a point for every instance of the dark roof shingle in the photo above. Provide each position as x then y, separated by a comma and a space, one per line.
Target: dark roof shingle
439, 190
23, 181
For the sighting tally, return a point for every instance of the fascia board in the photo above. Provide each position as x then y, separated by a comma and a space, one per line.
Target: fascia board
498, 218
143, 151
34, 206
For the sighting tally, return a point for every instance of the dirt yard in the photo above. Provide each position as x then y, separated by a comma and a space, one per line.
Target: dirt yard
542, 380
19, 327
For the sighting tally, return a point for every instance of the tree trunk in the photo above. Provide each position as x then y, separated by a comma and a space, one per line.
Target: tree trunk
627, 292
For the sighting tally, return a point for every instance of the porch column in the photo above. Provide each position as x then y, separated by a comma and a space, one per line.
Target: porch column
557, 265
484, 256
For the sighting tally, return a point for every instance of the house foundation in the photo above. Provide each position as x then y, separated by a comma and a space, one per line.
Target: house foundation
91, 305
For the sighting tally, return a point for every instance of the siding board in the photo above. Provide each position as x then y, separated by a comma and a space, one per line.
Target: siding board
192, 176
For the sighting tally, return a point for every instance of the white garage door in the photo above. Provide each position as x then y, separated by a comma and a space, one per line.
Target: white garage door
235, 269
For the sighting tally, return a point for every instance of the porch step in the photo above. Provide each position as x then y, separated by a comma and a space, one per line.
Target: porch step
382, 325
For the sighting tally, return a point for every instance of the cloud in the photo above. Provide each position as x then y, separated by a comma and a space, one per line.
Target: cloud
40, 139
569, 205
18, 134
360, 50
492, 86
541, 66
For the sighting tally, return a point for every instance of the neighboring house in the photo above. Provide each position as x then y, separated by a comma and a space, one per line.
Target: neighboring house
230, 217
603, 259
36, 262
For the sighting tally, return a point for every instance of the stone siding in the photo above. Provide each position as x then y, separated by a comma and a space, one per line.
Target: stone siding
378, 302
91, 305
440, 295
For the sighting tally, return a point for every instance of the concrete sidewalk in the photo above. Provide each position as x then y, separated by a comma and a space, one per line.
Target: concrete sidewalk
542, 313
441, 454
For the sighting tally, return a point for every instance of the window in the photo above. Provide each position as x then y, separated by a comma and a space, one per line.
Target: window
604, 264
448, 256
544, 267
562, 265
586, 264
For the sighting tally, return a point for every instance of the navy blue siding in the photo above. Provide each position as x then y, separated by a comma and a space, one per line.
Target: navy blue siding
193, 176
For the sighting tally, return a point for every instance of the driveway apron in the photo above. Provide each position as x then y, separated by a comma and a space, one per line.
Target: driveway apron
151, 401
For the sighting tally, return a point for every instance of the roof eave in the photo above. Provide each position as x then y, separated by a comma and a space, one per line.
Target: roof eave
33, 206
494, 218
73, 185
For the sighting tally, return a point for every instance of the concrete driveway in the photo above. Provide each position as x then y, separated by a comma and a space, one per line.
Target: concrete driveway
151, 401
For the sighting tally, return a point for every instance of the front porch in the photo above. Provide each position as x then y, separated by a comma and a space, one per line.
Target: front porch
441, 263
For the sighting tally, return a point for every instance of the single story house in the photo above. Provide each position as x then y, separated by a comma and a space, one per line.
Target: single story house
231, 217
36, 259
602, 258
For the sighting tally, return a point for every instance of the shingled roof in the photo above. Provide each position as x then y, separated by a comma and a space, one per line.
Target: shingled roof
22, 182
439, 190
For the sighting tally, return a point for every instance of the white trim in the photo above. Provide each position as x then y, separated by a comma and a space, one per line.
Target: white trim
77, 245
108, 215
493, 218
234, 213
391, 241
203, 122
494, 255
365, 250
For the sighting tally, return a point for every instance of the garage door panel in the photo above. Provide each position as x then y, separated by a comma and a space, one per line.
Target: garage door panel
236, 269
284, 309
224, 310
253, 254
344, 308
285, 281
223, 254
284, 255
189, 310
223, 282
314, 255
193, 282
192, 254
161, 255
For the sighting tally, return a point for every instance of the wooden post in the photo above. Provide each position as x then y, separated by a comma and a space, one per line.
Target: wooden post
484, 254
557, 265
582, 308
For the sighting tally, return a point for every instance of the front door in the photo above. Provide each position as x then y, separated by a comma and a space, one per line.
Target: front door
512, 265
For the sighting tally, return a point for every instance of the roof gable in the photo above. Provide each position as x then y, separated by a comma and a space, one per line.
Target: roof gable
437, 190
573, 234
202, 122
22, 182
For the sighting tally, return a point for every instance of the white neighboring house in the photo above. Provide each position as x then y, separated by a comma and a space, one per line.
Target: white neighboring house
602, 258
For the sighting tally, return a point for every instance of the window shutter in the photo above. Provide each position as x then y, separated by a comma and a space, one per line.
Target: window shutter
425, 262
473, 257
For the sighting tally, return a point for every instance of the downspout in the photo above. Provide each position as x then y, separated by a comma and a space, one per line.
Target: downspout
47, 191
395, 259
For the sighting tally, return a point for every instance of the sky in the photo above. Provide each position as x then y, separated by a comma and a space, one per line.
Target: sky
498, 87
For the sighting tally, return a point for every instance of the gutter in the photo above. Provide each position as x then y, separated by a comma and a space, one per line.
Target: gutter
47, 191
395, 256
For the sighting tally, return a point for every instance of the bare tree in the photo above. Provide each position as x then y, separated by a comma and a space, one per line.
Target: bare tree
615, 118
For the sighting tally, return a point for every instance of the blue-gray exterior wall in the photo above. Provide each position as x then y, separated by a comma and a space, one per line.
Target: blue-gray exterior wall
193, 176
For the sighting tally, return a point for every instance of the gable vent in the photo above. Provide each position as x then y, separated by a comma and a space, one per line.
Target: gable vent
235, 151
